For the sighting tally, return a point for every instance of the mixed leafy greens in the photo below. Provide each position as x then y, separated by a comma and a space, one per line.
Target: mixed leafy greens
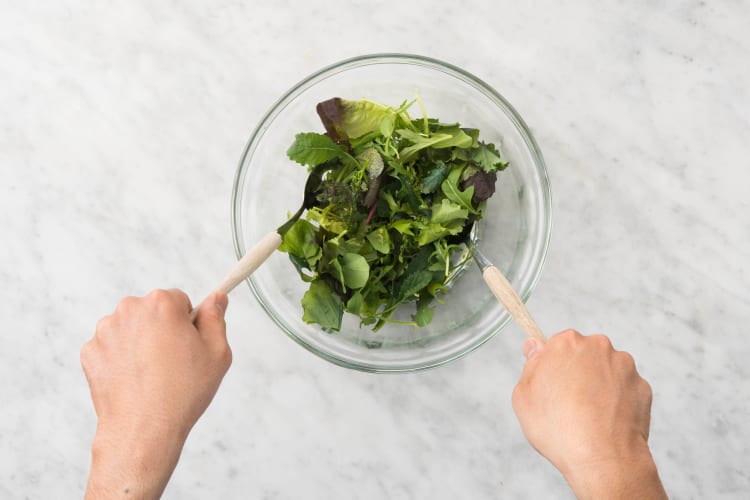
396, 195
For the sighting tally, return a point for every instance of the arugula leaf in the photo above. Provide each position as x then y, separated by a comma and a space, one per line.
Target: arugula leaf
443, 137
420, 142
454, 193
433, 232
458, 138
403, 226
322, 306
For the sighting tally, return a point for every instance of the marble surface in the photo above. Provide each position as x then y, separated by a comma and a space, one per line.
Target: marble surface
121, 124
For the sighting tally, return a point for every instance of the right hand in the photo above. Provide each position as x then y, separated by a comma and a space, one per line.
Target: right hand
584, 407
152, 374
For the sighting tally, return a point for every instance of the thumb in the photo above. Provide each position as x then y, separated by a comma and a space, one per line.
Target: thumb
210, 319
532, 347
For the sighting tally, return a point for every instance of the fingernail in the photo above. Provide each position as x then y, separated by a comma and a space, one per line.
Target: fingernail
531, 347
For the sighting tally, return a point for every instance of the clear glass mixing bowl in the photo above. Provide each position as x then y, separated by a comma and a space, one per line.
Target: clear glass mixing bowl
514, 233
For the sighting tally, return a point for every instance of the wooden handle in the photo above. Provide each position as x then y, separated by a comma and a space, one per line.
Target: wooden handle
508, 297
247, 264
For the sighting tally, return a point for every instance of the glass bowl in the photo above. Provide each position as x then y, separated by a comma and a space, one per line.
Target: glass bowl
514, 233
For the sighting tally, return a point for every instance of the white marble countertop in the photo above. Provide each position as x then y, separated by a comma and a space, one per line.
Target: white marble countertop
121, 124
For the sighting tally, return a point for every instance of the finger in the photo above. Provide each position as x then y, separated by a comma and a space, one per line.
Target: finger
210, 319
126, 306
569, 335
181, 299
169, 300
532, 347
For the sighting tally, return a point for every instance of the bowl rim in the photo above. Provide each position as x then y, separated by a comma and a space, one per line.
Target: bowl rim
435, 64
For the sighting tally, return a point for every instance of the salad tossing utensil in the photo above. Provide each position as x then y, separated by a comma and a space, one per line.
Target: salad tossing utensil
499, 284
270, 242
505, 294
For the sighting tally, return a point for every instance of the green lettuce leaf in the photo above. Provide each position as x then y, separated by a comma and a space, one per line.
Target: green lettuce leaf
488, 158
344, 120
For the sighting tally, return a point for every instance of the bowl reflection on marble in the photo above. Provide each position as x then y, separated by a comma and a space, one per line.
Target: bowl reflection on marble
514, 233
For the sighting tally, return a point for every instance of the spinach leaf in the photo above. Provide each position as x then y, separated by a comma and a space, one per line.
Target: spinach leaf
300, 241
314, 149
322, 306
355, 270
435, 177
380, 240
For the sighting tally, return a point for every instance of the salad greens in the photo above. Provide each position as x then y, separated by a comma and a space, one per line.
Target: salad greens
395, 195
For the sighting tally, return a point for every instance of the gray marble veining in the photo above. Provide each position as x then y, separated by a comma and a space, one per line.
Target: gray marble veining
120, 127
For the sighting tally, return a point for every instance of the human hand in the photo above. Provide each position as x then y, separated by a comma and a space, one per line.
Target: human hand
152, 374
584, 407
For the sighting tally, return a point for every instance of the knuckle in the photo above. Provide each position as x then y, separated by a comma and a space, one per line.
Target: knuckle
569, 334
626, 359
601, 340
517, 396
126, 305
646, 390
565, 341
172, 300
178, 294
103, 324
221, 354
226, 356
567, 337
87, 353
159, 296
